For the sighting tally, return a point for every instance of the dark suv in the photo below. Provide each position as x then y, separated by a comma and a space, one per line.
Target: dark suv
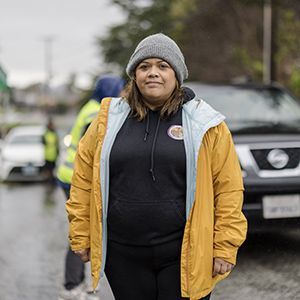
265, 124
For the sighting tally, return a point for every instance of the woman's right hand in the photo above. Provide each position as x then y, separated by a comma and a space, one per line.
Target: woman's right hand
83, 254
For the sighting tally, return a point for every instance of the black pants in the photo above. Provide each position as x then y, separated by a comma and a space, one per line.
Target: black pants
148, 273
48, 170
74, 266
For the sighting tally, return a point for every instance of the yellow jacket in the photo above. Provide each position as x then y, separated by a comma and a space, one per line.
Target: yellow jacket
215, 225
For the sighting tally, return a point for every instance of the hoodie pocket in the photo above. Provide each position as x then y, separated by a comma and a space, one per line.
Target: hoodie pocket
144, 222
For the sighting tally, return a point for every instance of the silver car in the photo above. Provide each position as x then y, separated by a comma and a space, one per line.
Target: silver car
22, 154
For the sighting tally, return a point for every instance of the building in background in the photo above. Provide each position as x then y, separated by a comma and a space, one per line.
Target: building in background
4, 100
4, 90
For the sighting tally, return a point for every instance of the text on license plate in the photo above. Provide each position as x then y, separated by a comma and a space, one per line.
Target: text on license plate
30, 170
281, 206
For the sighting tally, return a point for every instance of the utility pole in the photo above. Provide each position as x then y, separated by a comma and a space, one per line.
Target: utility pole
48, 57
269, 46
48, 42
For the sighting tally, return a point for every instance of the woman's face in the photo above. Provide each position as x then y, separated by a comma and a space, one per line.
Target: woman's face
156, 81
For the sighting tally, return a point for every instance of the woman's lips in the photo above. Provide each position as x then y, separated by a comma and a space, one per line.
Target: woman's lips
153, 83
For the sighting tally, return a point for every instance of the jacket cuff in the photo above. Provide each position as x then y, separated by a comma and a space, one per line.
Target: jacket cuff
226, 255
80, 246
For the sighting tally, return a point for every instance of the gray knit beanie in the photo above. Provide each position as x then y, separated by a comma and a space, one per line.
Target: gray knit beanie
159, 46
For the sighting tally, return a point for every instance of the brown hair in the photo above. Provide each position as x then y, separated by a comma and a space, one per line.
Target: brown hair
139, 108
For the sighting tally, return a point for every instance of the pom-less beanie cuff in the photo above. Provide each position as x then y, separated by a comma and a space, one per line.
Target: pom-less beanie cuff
159, 46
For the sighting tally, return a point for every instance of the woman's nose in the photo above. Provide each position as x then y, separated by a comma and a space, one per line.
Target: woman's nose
153, 72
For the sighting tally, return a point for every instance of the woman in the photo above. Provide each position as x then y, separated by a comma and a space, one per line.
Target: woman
157, 190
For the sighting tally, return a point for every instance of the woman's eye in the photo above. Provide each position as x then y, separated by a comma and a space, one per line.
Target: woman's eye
143, 67
164, 66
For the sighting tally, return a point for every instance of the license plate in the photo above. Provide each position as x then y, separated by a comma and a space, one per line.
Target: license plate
276, 207
30, 170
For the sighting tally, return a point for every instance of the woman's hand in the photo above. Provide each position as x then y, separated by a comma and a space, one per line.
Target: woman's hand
221, 266
83, 254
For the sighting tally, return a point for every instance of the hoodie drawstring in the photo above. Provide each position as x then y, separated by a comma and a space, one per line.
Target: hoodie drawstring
147, 127
151, 170
147, 131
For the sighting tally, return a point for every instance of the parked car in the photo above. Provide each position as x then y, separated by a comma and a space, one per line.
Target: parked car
22, 154
265, 123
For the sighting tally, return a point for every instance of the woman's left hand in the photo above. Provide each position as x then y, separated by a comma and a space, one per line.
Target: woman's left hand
221, 266
84, 254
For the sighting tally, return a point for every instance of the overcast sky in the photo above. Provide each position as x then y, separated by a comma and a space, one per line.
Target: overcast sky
71, 24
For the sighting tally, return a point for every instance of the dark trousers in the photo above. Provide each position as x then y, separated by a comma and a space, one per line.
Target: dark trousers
74, 270
148, 273
74, 266
48, 170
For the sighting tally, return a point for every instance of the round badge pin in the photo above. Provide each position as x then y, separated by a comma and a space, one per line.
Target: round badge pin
175, 132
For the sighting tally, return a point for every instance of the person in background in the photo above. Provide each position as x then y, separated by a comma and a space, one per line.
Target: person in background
51, 149
157, 190
107, 85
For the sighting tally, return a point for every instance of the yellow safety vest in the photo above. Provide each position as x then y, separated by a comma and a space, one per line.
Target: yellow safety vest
86, 115
51, 145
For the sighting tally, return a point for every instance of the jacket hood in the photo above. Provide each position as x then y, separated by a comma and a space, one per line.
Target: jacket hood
188, 94
108, 86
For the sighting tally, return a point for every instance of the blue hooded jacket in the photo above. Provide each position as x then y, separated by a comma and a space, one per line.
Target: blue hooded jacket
107, 86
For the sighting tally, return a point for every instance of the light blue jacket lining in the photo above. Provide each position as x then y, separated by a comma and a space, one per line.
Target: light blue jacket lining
197, 118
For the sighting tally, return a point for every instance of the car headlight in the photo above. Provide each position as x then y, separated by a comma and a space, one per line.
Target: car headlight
67, 140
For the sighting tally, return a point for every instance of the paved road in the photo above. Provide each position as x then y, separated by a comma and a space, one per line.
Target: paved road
33, 235
268, 269
33, 231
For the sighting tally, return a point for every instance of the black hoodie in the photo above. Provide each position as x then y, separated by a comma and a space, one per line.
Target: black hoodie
148, 180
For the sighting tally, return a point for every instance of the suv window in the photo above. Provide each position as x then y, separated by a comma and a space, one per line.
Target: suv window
248, 107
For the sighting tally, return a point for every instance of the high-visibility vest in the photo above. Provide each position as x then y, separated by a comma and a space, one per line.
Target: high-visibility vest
86, 115
51, 145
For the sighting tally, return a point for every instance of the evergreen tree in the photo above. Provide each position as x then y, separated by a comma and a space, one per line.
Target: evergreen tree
221, 40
